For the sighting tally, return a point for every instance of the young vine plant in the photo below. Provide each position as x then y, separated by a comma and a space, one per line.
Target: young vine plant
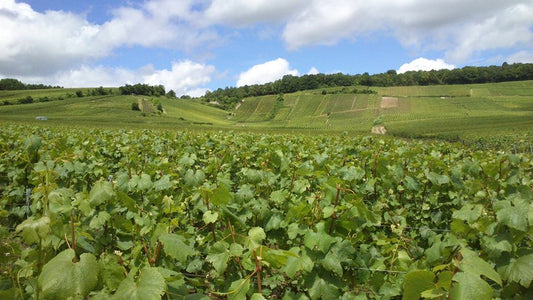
142, 214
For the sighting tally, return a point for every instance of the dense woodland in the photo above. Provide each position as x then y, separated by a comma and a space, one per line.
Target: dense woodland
15, 84
229, 96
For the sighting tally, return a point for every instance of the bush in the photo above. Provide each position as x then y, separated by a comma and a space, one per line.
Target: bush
79, 93
7, 102
135, 106
26, 100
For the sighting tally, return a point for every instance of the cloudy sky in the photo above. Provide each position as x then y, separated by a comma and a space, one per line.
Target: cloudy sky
191, 46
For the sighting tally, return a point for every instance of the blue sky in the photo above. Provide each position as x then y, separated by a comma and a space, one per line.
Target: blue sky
193, 46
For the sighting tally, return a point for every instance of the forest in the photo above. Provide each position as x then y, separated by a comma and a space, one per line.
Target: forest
230, 96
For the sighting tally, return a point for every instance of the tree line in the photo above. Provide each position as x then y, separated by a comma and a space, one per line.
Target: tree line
15, 84
228, 97
142, 89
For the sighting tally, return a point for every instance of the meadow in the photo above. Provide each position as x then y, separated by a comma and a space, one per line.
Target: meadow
287, 196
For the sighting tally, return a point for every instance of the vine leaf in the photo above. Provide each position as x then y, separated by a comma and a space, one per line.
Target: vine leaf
416, 282
470, 286
323, 290
513, 214
238, 289
520, 270
101, 192
256, 236
62, 278
33, 230
175, 247
150, 285
210, 217
472, 264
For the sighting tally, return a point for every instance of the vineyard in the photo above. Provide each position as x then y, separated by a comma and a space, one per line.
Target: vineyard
143, 214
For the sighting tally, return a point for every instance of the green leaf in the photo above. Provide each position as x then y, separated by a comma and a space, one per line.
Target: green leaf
163, 183
469, 213
361, 211
471, 287
150, 286
520, 270
238, 289
513, 213
411, 183
111, 271
472, 264
100, 219
62, 278
34, 230
327, 211
319, 239
145, 182
321, 289
297, 264
257, 296
256, 235
210, 217
437, 179
102, 191
175, 247
218, 256
60, 201
416, 282
221, 196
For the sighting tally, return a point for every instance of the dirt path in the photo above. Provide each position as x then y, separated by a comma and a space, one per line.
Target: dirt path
353, 103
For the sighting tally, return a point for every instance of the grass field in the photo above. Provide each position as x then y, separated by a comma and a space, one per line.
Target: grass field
113, 110
457, 111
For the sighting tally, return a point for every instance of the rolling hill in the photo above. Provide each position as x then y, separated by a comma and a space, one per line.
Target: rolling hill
442, 111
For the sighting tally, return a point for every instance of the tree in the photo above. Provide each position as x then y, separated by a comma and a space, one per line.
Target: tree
171, 94
11, 84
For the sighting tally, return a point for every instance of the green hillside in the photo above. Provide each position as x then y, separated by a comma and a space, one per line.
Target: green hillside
464, 110
453, 112
113, 110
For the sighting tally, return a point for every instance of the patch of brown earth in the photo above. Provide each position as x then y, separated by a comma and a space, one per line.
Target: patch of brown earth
389, 102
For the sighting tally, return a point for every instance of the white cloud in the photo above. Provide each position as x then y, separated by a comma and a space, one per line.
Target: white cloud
35, 43
266, 72
247, 12
184, 77
462, 28
313, 71
423, 64
521, 57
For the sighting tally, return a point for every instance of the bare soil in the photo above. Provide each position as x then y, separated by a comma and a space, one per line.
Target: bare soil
389, 102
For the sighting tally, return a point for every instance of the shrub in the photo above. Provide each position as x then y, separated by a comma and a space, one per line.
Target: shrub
79, 93
135, 106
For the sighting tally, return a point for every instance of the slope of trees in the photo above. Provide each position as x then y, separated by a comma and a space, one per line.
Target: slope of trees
230, 96
142, 89
15, 84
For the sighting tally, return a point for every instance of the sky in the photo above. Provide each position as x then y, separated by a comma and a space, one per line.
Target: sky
194, 46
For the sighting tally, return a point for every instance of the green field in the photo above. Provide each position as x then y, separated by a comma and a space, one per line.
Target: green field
113, 110
453, 112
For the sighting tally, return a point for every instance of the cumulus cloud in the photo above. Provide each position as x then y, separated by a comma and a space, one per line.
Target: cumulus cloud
424, 64
184, 77
35, 43
266, 72
521, 57
313, 71
462, 28
247, 12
